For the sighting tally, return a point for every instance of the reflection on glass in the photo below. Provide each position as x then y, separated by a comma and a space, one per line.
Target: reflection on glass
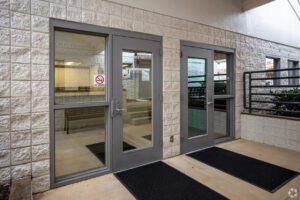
221, 118
220, 73
293, 64
270, 65
79, 68
197, 117
79, 140
137, 100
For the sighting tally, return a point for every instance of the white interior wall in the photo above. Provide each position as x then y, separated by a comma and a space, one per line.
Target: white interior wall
274, 21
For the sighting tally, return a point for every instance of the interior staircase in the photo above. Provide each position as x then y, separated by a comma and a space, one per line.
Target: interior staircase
139, 113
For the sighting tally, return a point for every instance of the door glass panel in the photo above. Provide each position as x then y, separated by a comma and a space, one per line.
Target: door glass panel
221, 118
137, 100
197, 116
79, 140
79, 68
220, 73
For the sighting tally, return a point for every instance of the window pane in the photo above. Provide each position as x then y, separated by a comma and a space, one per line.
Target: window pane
79, 68
137, 100
221, 118
196, 97
220, 73
79, 140
270, 65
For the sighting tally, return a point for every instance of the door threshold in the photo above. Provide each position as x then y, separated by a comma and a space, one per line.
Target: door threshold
198, 149
79, 177
136, 166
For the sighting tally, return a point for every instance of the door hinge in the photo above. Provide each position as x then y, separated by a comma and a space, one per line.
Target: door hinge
181, 54
161, 97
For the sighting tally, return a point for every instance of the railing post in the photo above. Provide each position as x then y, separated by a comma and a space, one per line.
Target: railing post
244, 90
250, 92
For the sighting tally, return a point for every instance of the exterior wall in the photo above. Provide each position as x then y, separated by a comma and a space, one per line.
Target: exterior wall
279, 132
275, 21
24, 72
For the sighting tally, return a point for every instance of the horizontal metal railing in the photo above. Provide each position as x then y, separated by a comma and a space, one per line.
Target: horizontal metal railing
263, 88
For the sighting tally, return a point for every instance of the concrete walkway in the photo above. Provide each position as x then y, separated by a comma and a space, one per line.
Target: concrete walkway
107, 187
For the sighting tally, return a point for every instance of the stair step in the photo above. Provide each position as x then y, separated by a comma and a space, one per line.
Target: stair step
140, 121
144, 113
138, 108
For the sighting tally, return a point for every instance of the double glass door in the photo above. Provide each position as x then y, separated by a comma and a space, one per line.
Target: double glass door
206, 97
105, 102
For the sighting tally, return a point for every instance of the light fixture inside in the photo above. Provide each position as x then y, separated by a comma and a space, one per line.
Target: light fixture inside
67, 63
70, 63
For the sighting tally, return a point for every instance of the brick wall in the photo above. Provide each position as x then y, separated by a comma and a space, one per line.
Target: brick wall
24, 72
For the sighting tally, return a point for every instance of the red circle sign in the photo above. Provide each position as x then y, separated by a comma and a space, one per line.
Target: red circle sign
99, 79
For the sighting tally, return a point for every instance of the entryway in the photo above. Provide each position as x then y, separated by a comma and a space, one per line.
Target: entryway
207, 111
108, 187
105, 99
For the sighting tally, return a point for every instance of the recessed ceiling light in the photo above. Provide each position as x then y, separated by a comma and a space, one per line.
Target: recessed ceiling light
70, 63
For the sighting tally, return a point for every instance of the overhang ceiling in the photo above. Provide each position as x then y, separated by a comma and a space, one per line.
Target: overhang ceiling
251, 4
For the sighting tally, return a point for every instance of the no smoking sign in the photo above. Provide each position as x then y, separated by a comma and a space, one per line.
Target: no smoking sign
99, 80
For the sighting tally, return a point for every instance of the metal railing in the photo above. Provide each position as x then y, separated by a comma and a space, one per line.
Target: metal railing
272, 91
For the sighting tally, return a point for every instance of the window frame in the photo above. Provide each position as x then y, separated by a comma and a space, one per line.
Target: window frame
295, 64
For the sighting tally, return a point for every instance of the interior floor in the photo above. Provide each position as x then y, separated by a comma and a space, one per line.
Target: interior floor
73, 154
108, 187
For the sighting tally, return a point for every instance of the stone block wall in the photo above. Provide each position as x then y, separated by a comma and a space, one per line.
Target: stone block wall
24, 72
276, 131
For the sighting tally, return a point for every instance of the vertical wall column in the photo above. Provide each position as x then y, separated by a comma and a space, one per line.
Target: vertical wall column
171, 96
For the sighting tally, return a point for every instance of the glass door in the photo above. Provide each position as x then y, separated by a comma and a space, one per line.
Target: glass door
79, 103
136, 104
196, 99
223, 95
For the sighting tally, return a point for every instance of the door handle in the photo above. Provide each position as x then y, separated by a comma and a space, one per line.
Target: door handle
115, 108
210, 103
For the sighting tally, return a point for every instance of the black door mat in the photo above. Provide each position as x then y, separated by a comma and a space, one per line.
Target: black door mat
98, 149
261, 174
159, 181
148, 137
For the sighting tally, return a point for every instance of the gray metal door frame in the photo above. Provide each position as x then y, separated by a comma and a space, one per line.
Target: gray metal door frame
124, 160
109, 33
202, 141
208, 141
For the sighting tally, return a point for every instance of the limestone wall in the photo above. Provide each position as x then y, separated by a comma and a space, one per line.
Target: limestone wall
280, 132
